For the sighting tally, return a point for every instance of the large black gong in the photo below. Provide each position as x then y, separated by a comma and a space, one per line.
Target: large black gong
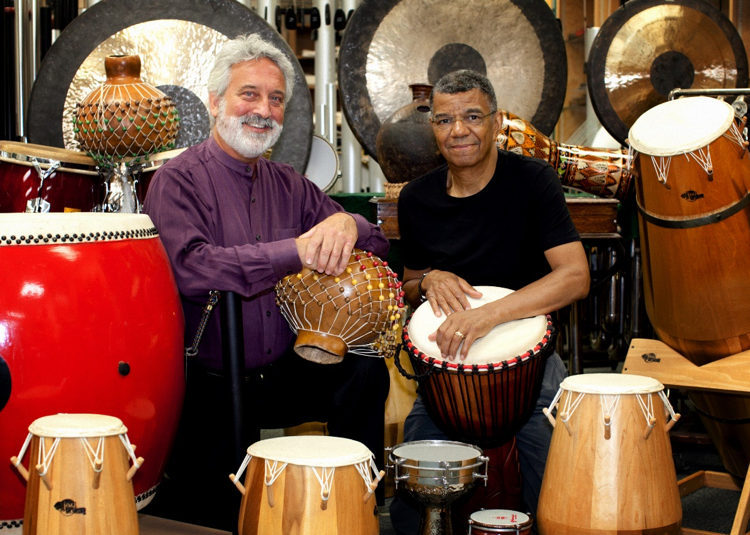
177, 41
390, 44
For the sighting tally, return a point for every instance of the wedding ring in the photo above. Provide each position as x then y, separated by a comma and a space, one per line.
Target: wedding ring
458, 333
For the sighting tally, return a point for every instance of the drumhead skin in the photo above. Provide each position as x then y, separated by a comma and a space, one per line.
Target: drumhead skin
323, 165
503, 342
311, 450
436, 451
77, 425
495, 518
16, 152
74, 227
680, 126
611, 384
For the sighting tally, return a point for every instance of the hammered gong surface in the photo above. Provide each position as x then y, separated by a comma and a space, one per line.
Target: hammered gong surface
647, 48
177, 41
390, 44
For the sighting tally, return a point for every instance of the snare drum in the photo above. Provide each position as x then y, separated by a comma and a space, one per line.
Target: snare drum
358, 311
486, 398
492, 521
610, 468
318, 484
323, 165
35, 178
79, 478
90, 321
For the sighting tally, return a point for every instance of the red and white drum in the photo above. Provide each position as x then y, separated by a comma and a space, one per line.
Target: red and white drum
487, 397
90, 322
318, 484
491, 521
35, 178
610, 468
79, 477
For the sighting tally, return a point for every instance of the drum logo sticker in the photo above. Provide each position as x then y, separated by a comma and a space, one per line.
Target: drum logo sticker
691, 196
68, 507
650, 357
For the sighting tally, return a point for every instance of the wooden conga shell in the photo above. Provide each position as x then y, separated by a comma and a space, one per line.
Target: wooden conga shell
622, 485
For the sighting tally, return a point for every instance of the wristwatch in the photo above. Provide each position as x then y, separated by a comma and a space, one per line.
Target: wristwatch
422, 297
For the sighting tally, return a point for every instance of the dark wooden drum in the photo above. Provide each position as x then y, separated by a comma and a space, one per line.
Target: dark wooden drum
35, 178
488, 397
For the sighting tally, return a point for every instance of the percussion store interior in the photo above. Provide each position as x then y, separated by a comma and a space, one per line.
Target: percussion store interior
360, 267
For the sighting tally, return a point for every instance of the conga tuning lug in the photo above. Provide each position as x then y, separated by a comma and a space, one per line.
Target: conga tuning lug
20, 467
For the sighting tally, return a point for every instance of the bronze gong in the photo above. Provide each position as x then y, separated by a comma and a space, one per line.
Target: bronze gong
647, 48
177, 41
390, 44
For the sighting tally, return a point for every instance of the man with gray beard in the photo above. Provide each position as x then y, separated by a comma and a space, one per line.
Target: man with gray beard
232, 220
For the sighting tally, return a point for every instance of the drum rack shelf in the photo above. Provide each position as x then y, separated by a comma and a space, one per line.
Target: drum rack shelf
655, 359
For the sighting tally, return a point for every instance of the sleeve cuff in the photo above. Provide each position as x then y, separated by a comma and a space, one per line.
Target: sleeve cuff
364, 229
284, 257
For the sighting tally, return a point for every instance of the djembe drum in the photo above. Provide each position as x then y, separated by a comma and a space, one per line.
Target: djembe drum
79, 479
692, 193
357, 311
491, 521
91, 322
317, 484
609, 469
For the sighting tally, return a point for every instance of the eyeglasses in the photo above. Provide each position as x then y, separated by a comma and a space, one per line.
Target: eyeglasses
446, 122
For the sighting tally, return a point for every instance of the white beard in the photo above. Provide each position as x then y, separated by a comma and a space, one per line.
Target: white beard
247, 144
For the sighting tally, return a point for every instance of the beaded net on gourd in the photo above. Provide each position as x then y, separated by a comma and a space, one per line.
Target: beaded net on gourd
363, 306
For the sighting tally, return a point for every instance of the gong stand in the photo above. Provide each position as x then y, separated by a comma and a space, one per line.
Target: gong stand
729, 375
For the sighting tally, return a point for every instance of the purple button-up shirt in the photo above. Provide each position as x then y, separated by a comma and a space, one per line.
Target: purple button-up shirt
228, 227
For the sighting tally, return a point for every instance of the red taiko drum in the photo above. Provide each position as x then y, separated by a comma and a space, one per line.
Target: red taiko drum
90, 322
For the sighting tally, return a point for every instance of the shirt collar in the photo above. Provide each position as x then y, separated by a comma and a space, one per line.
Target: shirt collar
235, 165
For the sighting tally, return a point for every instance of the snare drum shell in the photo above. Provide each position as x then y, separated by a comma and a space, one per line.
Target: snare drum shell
73, 506
90, 327
297, 503
624, 485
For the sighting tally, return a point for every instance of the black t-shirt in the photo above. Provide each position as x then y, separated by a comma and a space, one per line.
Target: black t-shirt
496, 237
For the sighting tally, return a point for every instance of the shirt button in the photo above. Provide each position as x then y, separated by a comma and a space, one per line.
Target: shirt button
269, 351
252, 200
248, 169
268, 313
258, 237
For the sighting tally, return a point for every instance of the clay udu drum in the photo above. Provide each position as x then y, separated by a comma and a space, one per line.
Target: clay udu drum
358, 311
79, 477
692, 193
35, 178
91, 322
610, 469
491, 521
308, 485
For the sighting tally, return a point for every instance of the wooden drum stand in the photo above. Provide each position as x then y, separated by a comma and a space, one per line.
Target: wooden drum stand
729, 375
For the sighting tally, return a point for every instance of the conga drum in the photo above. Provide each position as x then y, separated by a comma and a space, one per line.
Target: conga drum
308, 485
358, 311
79, 476
35, 178
610, 469
692, 193
90, 322
492, 521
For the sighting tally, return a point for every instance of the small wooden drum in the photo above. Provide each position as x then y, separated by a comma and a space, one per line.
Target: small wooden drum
486, 398
35, 178
79, 480
318, 484
610, 468
491, 521
358, 311
90, 322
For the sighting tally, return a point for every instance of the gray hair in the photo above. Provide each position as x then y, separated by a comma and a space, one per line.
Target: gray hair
246, 48
463, 81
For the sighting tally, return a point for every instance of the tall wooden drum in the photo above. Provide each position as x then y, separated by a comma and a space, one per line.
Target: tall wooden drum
609, 469
90, 322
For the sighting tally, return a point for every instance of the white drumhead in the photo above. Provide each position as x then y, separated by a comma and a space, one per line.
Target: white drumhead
323, 165
504, 342
311, 450
500, 518
87, 224
436, 452
77, 425
611, 384
680, 126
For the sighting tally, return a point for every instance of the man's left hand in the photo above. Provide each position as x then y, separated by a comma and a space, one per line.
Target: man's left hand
330, 243
461, 329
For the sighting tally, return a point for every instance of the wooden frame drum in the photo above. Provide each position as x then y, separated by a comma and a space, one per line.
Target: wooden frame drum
79, 481
609, 468
318, 484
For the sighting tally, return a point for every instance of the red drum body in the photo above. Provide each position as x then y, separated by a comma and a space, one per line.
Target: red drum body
35, 178
90, 322
488, 397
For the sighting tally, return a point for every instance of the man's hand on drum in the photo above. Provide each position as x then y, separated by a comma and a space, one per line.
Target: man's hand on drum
447, 292
461, 329
328, 245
